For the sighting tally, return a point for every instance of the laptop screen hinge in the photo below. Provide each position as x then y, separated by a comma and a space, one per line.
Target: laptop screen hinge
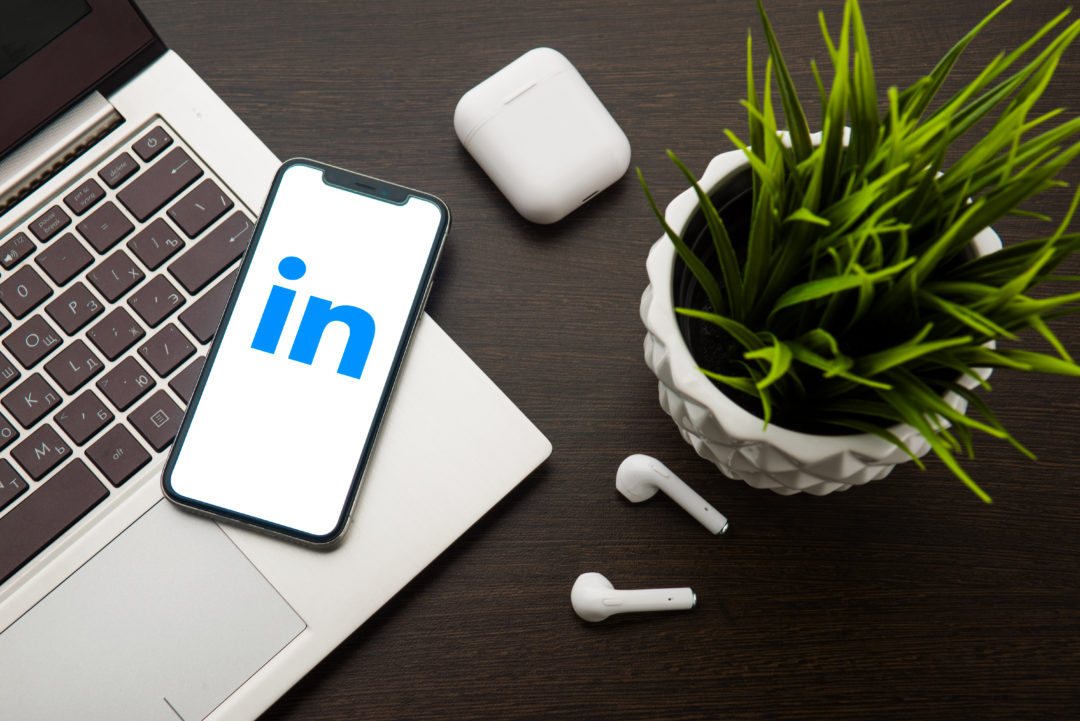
54, 148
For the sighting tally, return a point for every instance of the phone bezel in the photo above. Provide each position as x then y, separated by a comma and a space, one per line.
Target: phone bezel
362, 185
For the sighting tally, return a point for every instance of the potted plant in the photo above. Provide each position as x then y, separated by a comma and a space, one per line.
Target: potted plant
822, 307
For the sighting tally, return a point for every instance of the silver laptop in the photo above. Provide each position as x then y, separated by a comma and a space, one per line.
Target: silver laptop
128, 192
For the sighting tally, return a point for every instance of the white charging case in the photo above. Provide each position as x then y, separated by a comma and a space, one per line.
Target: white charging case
541, 134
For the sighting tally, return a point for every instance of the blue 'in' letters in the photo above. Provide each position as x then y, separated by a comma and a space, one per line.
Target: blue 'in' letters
318, 314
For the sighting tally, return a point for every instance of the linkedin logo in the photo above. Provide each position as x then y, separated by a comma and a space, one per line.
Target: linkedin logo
318, 314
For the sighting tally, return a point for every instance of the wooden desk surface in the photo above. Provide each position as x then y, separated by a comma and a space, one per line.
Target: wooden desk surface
907, 597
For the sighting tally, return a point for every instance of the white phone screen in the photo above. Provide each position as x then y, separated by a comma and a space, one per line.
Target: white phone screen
298, 378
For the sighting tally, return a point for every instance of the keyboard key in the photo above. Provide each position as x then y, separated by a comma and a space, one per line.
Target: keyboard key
45, 514
15, 249
84, 197
155, 244
76, 307
204, 315
162, 182
74, 366
7, 434
64, 259
166, 350
12, 484
201, 207
118, 455
23, 291
83, 417
158, 420
41, 452
209, 257
31, 400
105, 227
115, 276
4, 324
125, 383
49, 223
32, 341
185, 381
115, 333
8, 372
118, 170
156, 300
152, 143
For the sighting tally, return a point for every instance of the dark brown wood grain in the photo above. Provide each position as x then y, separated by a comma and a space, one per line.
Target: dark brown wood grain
907, 598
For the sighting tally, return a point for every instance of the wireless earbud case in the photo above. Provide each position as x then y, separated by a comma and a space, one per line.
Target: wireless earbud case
541, 134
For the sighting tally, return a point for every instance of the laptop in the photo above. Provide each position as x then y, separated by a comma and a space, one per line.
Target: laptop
128, 192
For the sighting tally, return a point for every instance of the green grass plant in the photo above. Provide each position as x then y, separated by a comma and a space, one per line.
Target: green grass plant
854, 301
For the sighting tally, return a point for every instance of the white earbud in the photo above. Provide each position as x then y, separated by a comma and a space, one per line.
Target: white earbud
640, 476
594, 598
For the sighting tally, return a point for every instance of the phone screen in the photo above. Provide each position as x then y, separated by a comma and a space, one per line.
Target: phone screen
283, 419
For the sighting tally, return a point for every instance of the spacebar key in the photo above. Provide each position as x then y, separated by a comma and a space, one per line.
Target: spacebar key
45, 514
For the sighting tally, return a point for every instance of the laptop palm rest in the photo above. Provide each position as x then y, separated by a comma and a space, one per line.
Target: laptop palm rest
121, 634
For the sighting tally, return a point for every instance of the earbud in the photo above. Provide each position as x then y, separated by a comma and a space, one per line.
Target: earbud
594, 598
640, 476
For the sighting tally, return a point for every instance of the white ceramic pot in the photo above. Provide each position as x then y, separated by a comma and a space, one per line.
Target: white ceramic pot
723, 432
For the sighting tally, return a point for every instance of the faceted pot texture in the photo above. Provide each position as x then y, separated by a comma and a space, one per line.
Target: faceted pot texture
720, 430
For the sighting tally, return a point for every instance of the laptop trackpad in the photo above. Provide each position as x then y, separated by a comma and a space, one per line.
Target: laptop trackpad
164, 623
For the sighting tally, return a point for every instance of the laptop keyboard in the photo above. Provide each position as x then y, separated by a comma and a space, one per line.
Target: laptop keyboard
108, 300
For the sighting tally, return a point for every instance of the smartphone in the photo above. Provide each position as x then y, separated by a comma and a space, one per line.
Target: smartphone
283, 419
